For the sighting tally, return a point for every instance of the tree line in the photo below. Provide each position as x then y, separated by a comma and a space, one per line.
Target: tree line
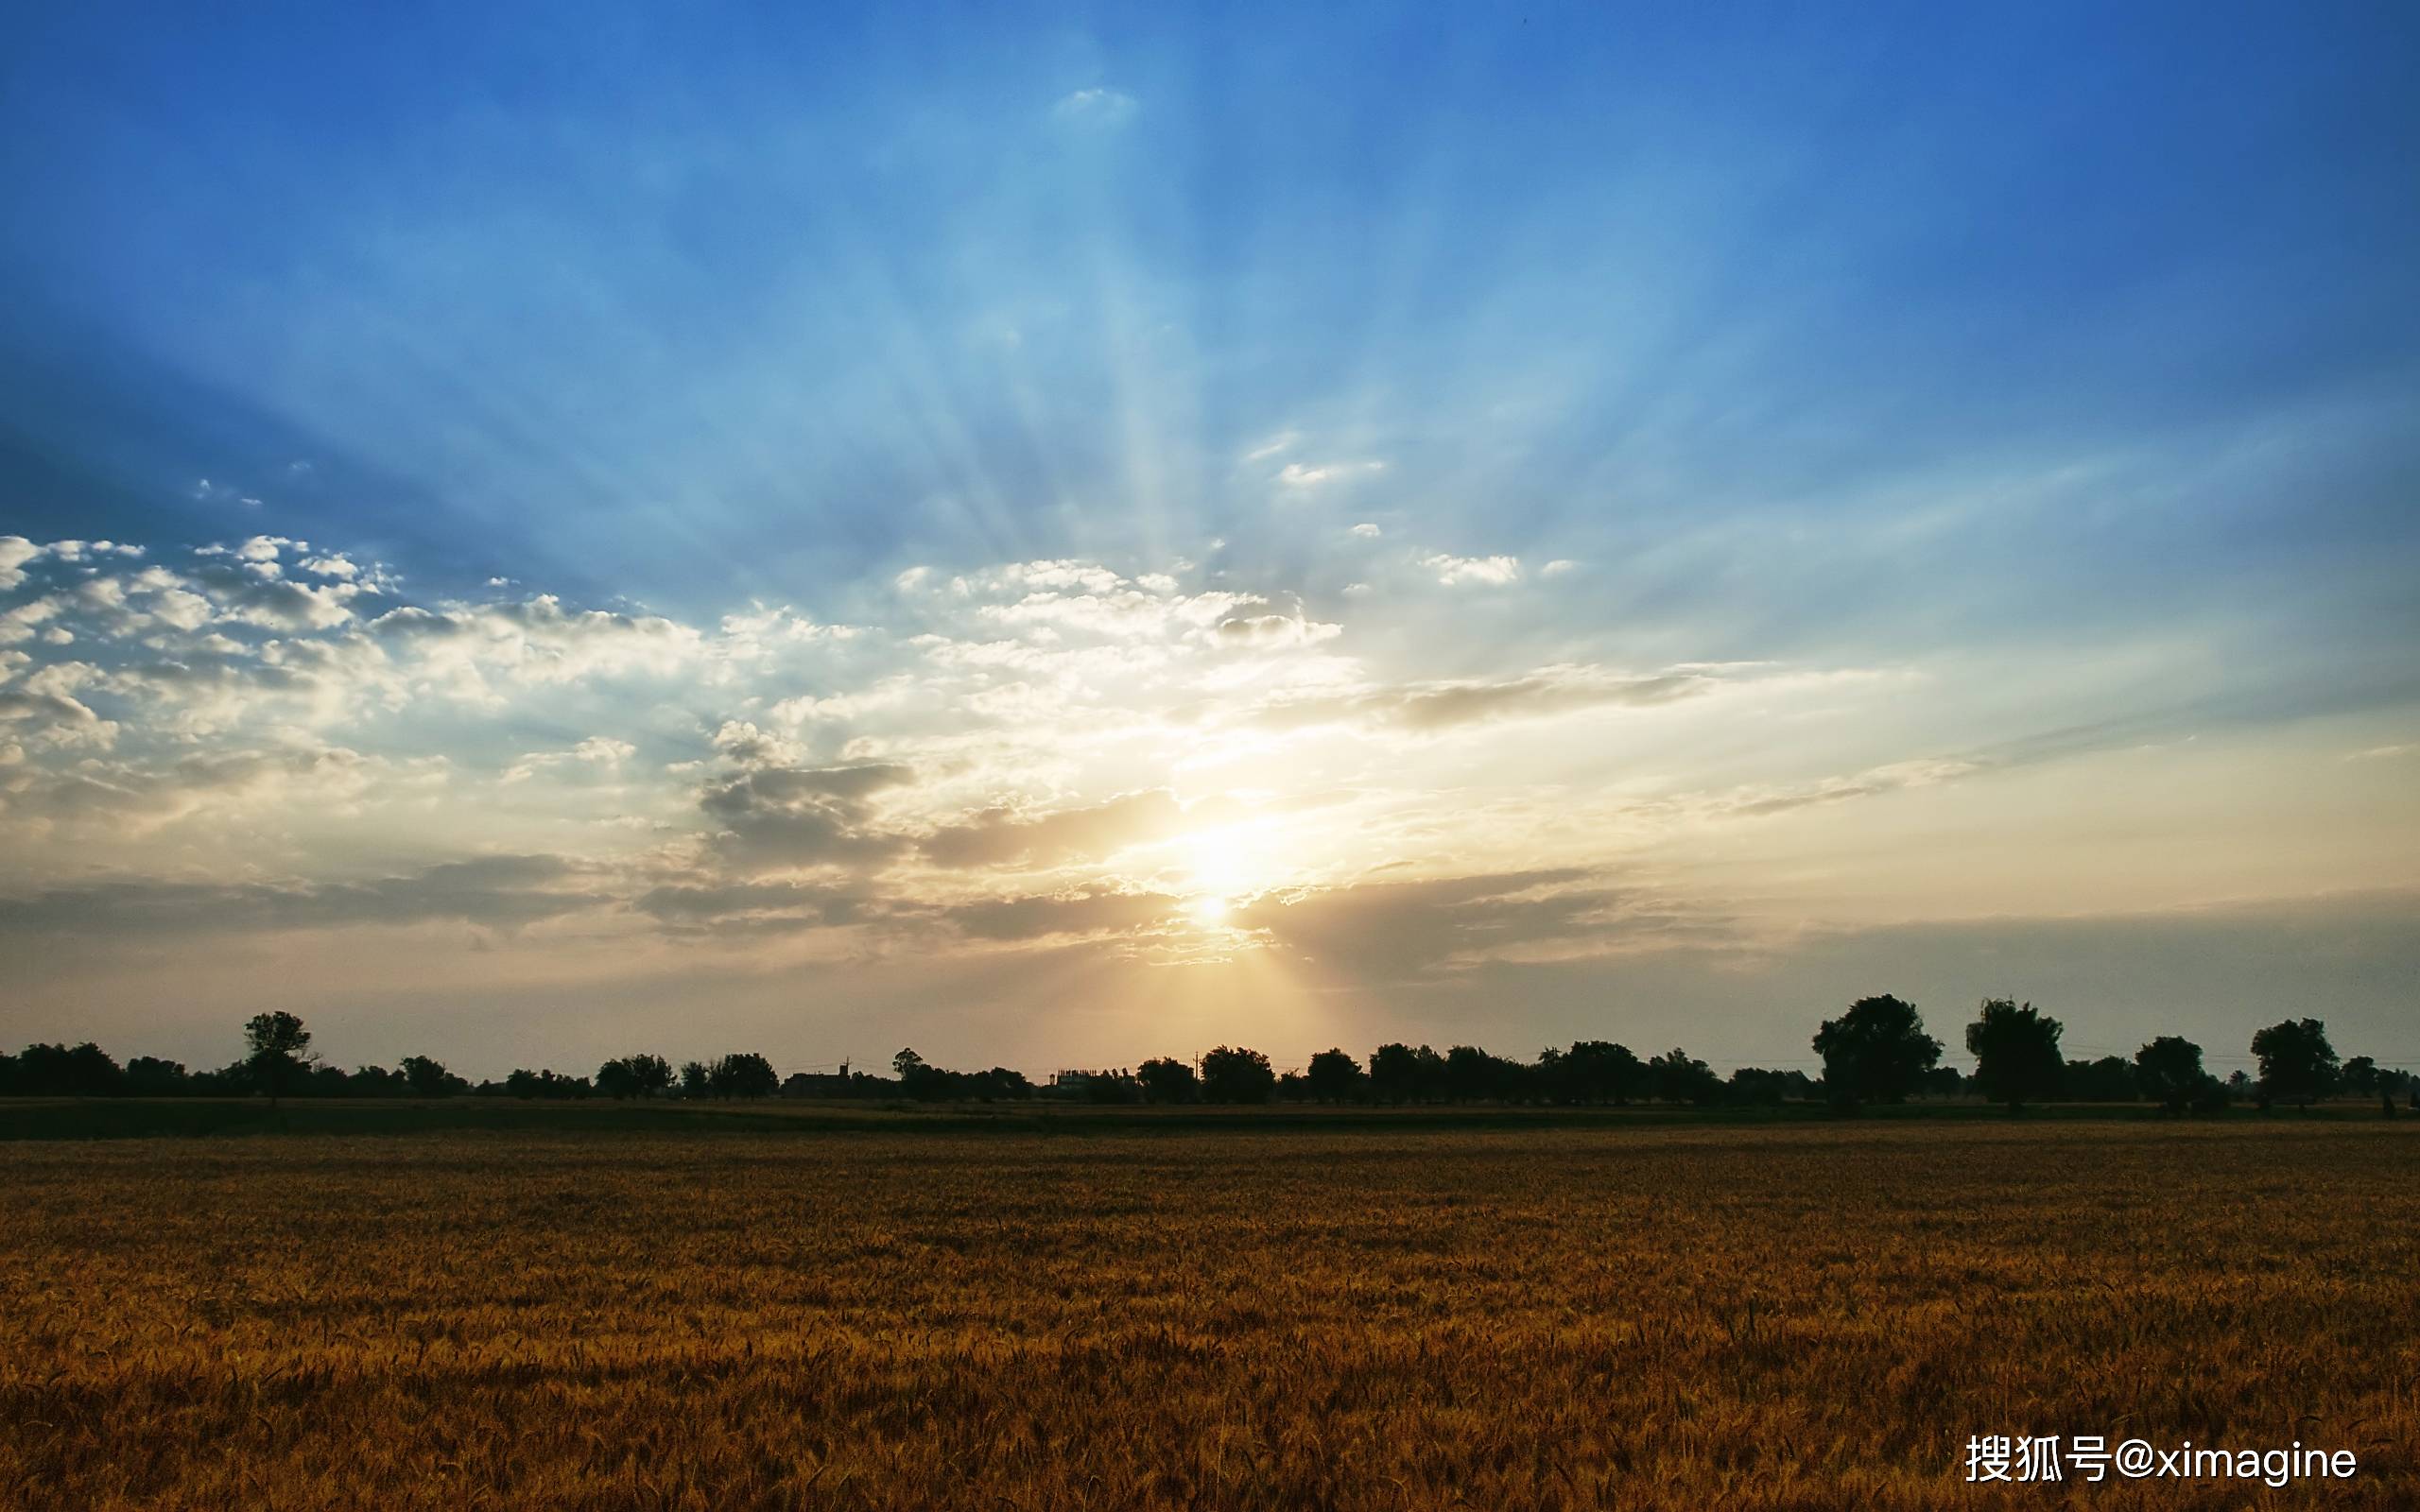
1876, 1052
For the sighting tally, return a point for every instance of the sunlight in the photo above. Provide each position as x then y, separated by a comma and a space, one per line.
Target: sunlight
1223, 866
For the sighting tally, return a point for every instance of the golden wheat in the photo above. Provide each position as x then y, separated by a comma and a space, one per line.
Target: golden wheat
1791, 1317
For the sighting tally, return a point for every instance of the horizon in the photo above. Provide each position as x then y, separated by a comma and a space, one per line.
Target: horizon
1057, 545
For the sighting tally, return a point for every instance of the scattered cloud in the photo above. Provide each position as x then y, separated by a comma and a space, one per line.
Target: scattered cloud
1455, 571
1098, 108
1311, 475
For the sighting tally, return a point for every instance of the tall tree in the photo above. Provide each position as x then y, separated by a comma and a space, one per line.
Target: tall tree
1679, 1078
1334, 1076
1394, 1072
2297, 1064
1167, 1079
2016, 1052
2168, 1071
276, 1050
1237, 1076
1876, 1052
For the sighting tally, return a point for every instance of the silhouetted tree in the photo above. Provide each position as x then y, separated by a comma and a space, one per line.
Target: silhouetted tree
550, 1085
641, 1075
2297, 1064
1751, 1086
2016, 1053
1394, 1072
1678, 1078
1472, 1073
2361, 1076
276, 1050
55, 1070
697, 1078
1943, 1081
1237, 1076
1334, 1076
428, 1077
743, 1075
1876, 1052
1167, 1079
2108, 1079
1599, 1071
150, 1077
2168, 1071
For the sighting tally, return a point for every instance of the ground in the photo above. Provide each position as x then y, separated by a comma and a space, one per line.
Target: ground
1803, 1314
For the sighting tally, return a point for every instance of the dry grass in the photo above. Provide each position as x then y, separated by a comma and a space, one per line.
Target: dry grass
1694, 1317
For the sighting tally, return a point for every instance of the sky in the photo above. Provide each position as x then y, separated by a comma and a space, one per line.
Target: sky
1061, 535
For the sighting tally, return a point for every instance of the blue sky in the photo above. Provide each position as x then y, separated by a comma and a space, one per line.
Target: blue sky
2027, 391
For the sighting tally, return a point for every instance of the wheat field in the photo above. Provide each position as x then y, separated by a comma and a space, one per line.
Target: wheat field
1808, 1316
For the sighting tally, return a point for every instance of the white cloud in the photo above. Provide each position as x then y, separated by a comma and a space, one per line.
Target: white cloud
1558, 567
1367, 531
1098, 108
1455, 571
1309, 475
15, 552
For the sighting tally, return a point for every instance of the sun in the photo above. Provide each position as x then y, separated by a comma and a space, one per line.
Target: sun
1223, 866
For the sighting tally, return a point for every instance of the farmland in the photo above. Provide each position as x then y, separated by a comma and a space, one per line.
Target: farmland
1802, 1315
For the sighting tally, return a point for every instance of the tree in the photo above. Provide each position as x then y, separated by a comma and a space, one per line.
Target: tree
635, 1076
1334, 1076
1680, 1078
1876, 1052
743, 1075
1394, 1072
276, 1049
428, 1077
150, 1076
1167, 1079
1471, 1073
2361, 1076
697, 1078
2109, 1079
2168, 1071
2016, 1053
1237, 1076
906, 1064
2297, 1064
1753, 1087
1599, 1071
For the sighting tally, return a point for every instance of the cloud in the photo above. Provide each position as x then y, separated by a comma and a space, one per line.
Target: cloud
1003, 835
1267, 632
773, 817
753, 907
1891, 777
15, 552
1390, 931
1367, 531
1558, 567
1309, 475
1083, 914
600, 752
502, 892
1455, 571
1431, 707
1099, 108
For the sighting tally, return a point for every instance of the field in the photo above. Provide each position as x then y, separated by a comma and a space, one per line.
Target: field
1809, 1315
